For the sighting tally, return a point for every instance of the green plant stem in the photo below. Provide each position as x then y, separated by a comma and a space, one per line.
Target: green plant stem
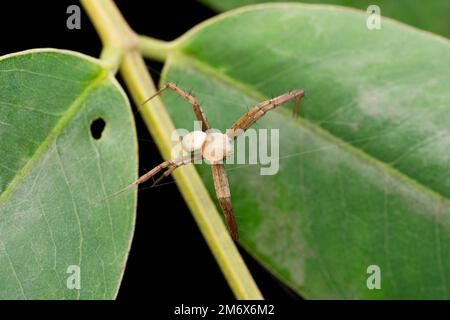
155, 49
119, 38
111, 57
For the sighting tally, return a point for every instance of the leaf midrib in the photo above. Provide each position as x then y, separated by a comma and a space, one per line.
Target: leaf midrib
189, 60
76, 106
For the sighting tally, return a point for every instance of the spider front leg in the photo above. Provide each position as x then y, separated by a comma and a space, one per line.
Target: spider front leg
199, 114
257, 112
224, 196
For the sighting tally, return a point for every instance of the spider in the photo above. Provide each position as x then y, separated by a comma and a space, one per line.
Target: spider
214, 146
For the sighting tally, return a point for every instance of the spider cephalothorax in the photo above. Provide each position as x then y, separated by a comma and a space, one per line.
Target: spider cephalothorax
215, 146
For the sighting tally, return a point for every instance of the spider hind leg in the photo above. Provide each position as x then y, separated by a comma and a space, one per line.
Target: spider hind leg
227, 208
224, 197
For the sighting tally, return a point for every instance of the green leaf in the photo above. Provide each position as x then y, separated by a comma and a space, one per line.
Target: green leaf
54, 175
431, 16
363, 174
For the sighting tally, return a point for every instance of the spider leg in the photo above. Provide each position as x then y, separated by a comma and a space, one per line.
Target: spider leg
151, 173
154, 171
169, 171
199, 114
165, 174
261, 109
224, 197
297, 107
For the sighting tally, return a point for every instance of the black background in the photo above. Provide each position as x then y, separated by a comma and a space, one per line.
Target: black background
169, 259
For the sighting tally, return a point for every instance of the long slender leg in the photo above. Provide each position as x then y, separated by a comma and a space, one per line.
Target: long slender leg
199, 114
169, 171
224, 196
178, 162
166, 173
261, 109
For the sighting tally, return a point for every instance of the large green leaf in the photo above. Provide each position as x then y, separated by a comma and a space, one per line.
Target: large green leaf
364, 173
429, 15
54, 174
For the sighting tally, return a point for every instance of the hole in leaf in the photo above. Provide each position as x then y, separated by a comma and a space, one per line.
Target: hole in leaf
97, 127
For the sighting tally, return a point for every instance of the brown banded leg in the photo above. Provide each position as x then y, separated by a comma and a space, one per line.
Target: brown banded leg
174, 166
257, 112
199, 114
297, 107
154, 171
179, 162
224, 197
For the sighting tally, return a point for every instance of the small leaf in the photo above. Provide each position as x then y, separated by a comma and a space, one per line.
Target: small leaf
364, 174
67, 140
432, 16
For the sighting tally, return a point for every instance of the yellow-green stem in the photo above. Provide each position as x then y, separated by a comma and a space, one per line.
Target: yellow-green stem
122, 46
154, 48
111, 57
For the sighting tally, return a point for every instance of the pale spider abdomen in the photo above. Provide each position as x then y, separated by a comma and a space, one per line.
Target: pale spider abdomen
216, 147
193, 141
